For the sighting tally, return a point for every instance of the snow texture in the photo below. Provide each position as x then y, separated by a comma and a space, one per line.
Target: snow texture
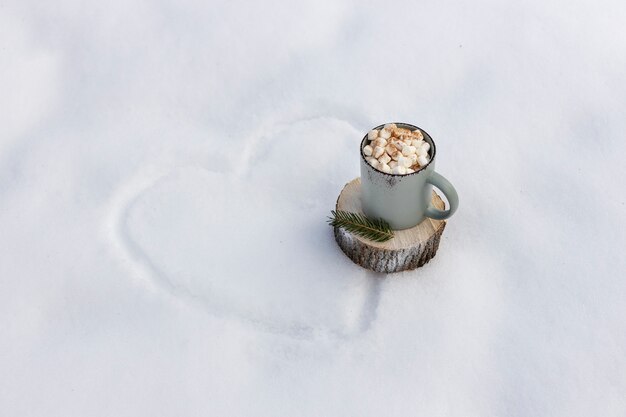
166, 169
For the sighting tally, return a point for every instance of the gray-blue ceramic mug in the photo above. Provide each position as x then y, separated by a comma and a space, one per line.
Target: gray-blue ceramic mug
404, 200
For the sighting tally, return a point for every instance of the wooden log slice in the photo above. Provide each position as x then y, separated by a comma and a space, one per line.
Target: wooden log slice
409, 248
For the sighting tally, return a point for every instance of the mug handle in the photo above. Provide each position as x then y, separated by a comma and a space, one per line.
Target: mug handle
448, 190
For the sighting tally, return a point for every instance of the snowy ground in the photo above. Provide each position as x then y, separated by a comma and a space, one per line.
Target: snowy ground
165, 174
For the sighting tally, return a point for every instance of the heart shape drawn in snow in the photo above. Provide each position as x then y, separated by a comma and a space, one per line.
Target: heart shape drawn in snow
255, 245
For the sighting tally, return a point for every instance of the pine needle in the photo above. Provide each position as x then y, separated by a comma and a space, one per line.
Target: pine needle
376, 230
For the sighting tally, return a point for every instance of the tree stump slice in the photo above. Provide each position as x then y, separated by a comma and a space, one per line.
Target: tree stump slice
408, 249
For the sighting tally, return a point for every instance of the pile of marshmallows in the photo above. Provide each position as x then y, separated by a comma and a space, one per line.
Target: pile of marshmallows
395, 150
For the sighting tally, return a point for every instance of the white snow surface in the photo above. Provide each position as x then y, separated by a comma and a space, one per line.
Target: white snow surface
166, 169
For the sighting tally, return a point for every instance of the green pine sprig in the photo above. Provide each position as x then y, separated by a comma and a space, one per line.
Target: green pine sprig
376, 230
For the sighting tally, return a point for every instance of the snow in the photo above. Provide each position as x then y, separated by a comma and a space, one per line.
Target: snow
166, 170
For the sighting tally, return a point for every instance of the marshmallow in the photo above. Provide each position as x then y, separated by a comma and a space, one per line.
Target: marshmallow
422, 160
396, 155
391, 126
418, 133
384, 159
384, 168
390, 149
378, 151
416, 142
405, 161
400, 132
384, 133
421, 151
399, 170
393, 164
367, 150
408, 150
413, 159
426, 146
372, 134
410, 171
372, 161
382, 142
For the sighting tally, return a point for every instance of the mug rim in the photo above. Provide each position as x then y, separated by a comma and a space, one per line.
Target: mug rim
405, 125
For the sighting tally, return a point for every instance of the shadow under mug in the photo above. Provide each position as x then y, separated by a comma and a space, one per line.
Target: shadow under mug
404, 200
